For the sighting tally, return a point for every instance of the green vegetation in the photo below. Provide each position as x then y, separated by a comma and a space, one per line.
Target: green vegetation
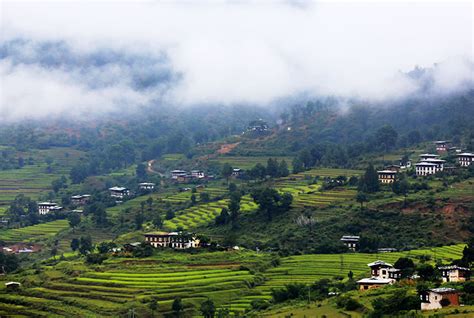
34, 232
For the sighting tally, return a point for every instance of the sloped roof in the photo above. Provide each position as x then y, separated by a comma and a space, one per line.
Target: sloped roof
379, 263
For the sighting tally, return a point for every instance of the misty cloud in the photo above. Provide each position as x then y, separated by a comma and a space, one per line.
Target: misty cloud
83, 57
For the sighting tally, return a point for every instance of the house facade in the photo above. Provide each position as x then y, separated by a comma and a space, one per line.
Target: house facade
387, 176
80, 199
455, 273
198, 174
175, 174
119, 192
146, 186
46, 207
172, 239
465, 159
442, 146
438, 298
382, 274
426, 168
351, 241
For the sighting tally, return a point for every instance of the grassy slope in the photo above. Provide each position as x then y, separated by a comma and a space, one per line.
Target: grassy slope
34, 180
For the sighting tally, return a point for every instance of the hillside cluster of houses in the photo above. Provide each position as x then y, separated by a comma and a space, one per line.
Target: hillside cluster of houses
428, 163
383, 274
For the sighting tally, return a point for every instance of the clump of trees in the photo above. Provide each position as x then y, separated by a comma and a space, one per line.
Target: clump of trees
271, 202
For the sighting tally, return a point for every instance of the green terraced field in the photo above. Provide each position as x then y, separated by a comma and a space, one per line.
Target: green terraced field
34, 232
185, 196
203, 214
32, 180
308, 268
109, 290
247, 163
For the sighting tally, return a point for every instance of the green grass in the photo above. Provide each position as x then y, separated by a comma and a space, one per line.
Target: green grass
34, 232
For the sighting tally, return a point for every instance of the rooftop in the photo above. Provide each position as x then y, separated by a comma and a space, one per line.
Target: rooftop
429, 155
454, 267
387, 171
466, 154
118, 189
379, 263
426, 163
374, 280
48, 203
443, 290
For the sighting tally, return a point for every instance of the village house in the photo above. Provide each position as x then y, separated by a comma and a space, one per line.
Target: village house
425, 156
21, 248
455, 273
80, 199
198, 174
46, 207
387, 176
404, 164
382, 274
351, 241
425, 168
12, 286
236, 172
148, 186
172, 239
175, 174
438, 298
395, 168
465, 159
442, 146
373, 282
119, 192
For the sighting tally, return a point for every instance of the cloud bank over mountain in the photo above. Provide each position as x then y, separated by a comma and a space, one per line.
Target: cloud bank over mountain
93, 57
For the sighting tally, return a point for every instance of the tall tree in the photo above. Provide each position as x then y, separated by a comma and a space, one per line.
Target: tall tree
208, 309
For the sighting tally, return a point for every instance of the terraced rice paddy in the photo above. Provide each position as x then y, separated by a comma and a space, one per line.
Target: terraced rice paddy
186, 195
203, 214
34, 232
120, 284
308, 268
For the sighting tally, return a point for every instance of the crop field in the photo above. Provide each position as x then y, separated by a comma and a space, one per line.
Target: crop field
185, 196
34, 232
308, 268
32, 180
203, 214
120, 284
247, 163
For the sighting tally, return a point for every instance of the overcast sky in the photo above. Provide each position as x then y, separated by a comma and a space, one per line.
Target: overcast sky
70, 57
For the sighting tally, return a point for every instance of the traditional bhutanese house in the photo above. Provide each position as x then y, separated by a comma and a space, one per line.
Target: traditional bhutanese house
351, 241
455, 273
80, 199
46, 207
172, 239
175, 174
146, 186
12, 285
438, 162
438, 298
425, 168
382, 274
380, 269
387, 176
404, 164
373, 282
198, 174
236, 172
465, 159
395, 168
428, 156
442, 146
119, 192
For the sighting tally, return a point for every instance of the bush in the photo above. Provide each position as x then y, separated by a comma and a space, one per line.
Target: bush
260, 304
